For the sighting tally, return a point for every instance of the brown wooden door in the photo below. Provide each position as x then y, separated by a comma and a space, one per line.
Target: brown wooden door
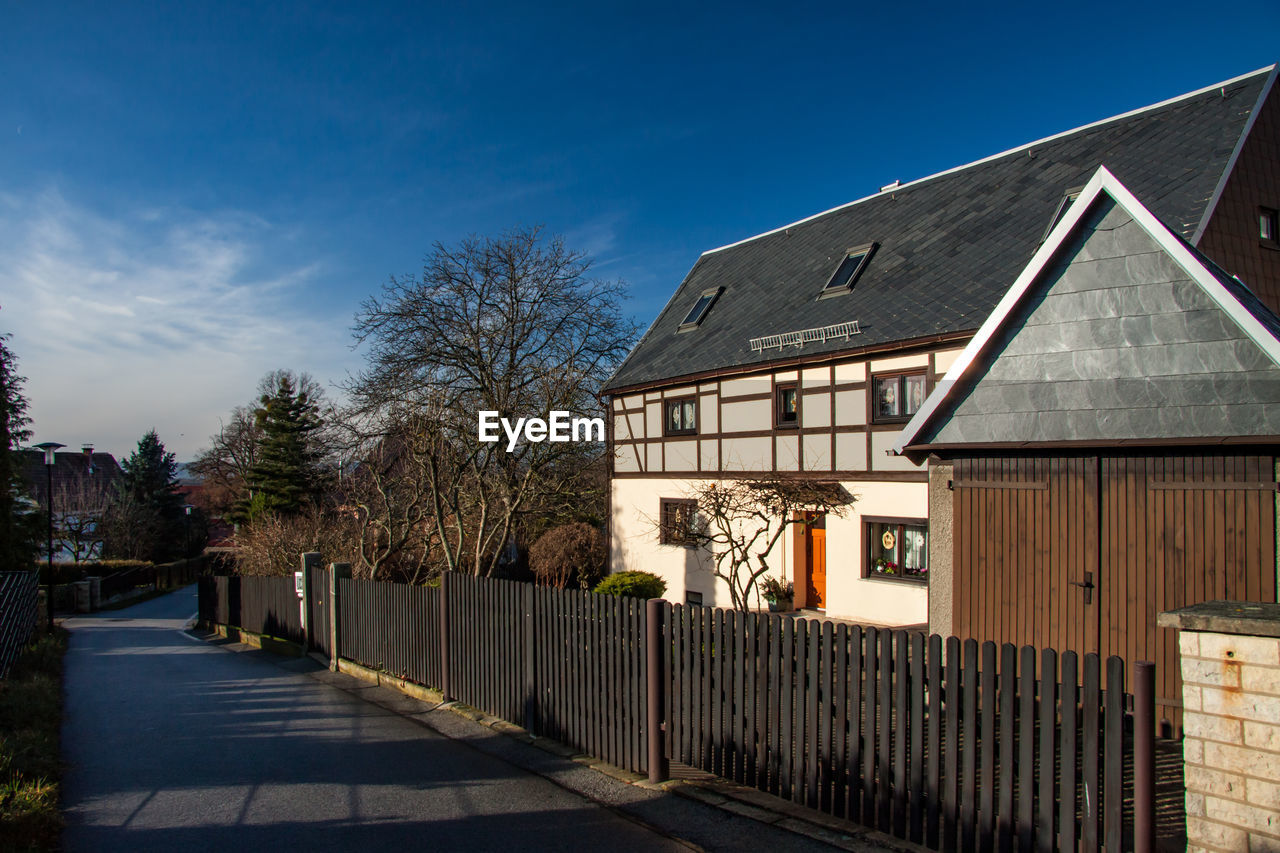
1025, 554
1082, 553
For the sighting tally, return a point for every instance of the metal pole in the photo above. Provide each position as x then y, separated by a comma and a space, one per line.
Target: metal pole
659, 766
48, 477
1144, 762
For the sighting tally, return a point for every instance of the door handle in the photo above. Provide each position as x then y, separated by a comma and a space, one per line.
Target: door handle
1087, 586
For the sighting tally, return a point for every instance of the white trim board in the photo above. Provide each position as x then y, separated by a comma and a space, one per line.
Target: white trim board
1101, 182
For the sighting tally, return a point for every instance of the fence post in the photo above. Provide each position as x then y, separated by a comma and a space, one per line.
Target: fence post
446, 694
659, 766
310, 560
1144, 761
530, 679
336, 570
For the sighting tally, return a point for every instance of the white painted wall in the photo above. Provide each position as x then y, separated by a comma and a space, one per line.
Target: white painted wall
635, 546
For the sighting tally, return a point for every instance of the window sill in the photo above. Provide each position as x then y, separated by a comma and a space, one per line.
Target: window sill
912, 581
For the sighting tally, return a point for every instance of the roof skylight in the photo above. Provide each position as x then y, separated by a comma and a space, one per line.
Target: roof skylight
847, 273
700, 309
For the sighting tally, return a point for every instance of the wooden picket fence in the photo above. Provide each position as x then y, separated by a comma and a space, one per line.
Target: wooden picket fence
952, 745
955, 746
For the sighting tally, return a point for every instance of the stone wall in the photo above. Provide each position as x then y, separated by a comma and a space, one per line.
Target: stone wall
1231, 697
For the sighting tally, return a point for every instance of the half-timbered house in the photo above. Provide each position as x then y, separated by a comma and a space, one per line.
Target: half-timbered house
804, 351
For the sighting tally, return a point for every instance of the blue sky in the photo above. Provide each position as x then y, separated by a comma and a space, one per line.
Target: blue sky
192, 195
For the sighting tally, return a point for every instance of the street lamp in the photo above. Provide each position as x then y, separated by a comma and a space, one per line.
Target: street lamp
49, 447
186, 546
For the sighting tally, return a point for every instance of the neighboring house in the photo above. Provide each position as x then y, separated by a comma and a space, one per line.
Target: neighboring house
807, 349
82, 485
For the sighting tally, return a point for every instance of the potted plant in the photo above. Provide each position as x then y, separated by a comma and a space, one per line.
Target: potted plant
779, 594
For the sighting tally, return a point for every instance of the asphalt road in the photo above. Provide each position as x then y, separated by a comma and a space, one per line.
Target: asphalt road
176, 744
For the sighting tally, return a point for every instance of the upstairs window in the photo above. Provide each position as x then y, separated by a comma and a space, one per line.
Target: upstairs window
786, 409
680, 416
897, 396
1269, 226
1067, 198
676, 521
700, 308
849, 270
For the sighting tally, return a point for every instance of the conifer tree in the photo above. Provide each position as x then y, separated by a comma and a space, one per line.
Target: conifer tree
288, 474
19, 520
145, 521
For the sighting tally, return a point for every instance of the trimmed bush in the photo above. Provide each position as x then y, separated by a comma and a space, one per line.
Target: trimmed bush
634, 584
570, 551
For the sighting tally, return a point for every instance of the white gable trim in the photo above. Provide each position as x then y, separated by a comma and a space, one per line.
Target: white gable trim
1235, 155
1101, 182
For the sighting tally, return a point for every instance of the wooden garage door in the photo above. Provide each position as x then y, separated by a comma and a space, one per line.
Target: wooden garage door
1082, 552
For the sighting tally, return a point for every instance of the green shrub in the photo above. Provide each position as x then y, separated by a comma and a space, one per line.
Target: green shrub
634, 584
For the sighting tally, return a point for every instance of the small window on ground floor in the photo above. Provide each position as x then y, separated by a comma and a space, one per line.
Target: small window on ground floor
693, 599
676, 521
897, 549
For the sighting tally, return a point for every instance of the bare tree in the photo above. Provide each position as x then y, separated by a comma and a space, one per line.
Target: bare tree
225, 465
741, 520
77, 525
513, 325
386, 489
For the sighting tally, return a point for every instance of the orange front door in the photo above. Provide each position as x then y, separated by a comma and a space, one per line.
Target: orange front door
816, 557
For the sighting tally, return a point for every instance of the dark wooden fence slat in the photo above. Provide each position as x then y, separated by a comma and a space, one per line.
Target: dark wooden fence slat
933, 749
840, 741
870, 710
986, 746
915, 821
884, 764
1026, 748
854, 794
1048, 730
743, 663
1113, 754
812, 740
951, 747
1008, 716
1091, 745
901, 730
786, 679
969, 747
827, 711
1067, 749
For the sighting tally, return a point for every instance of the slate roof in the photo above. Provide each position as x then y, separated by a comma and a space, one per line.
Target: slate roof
69, 469
1118, 331
949, 245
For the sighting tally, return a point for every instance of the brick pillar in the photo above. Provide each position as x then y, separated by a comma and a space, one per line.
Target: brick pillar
1231, 702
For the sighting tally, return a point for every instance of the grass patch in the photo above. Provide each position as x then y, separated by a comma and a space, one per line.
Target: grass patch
30, 766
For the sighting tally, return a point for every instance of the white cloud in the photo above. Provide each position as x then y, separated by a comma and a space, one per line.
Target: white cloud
158, 318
